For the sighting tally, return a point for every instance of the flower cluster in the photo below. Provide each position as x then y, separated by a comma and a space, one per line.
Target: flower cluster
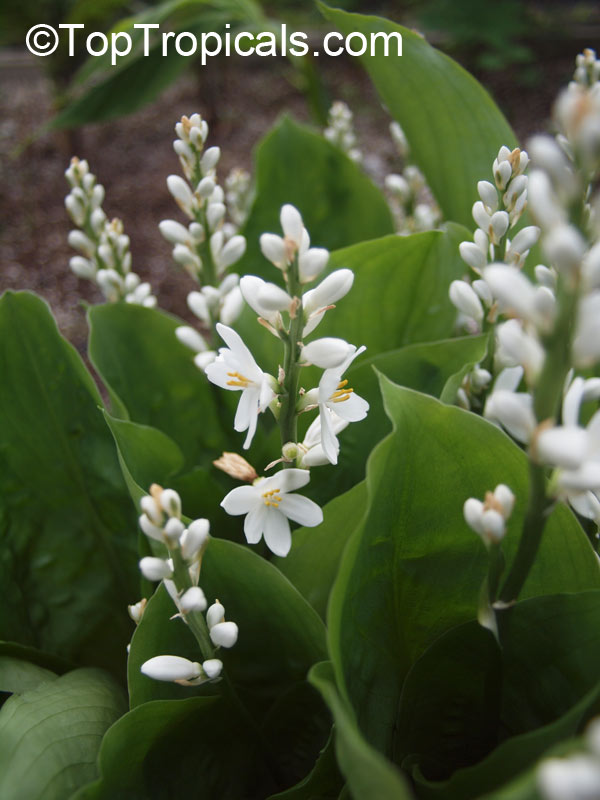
103, 247
499, 208
209, 245
409, 197
290, 314
488, 518
180, 572
340, 130
553, 321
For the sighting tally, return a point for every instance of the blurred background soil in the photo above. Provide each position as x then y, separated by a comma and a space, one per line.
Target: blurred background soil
132, 156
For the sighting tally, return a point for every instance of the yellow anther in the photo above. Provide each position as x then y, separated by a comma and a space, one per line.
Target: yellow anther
272, 498
343, 392
241, 380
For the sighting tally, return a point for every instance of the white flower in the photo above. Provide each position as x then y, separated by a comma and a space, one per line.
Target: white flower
311, 447
236, 370
574, 778
268, 505
335, 395
266, 299
465, 299
488, 519
317, 301
155, 569
511, 409
327, 352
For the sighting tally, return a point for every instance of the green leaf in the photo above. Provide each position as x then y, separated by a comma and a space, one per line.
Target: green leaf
47, 661
280, 638
148, 455
50, 735
449, 708
453, 126
138, 356
400, 291
67, 528
338, 203
17, 676
368, 773
312, 563
162, 746
550, 691
413, 569
324, 782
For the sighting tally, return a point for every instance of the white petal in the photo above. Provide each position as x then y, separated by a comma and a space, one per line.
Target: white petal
353, 409
329, 442
224, 634
301, 510
563, 446
273, 248
288, 480
327, 352
473, 512
241, 500
329, 291
291, 224
312, 263
255, 522
277, 533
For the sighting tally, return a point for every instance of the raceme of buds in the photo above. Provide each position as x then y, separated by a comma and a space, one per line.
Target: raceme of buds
104, 257
340, 130
488, 518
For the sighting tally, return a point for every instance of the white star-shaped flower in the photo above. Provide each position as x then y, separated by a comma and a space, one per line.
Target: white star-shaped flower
268, 506
335, 395
236, 370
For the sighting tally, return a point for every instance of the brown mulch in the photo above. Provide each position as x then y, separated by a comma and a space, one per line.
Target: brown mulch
132, 157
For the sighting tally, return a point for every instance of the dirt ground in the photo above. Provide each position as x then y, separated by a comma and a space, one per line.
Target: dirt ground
132, 157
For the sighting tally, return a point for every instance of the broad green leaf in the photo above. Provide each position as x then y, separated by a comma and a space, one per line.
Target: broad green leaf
368, 773
338, 203
312, 563
17, 676
413, 569
453, 126
449, 709
50, 735
161, 747
67, 528
48, 661
280, 638
324, 781
148, 455
138, 356
549, 652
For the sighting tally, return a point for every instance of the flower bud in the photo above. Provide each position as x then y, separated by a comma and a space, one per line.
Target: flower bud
210, 159
212, 668
489, 196
82, 267
191, 338
472, 255
173, 530
312, 263
291, 224
273, 249
224, 634
215, 614
174, 232
214, 214
327, 352
232, 251
192, 600
151, 509
171, 668
155, 569
152, 531
465, 300
197, 304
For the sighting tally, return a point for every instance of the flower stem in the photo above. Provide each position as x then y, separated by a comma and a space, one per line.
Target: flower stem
288, 416
547, 399
194, 619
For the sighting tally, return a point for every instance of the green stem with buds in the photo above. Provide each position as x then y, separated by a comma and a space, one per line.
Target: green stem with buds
288, 416
194, 619
547, 399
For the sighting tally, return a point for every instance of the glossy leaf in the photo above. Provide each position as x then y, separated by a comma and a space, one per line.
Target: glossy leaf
453, 126
50, 735
18, 676
413, 569
338, 203
324, 781
368, 773
138, 356
67, 529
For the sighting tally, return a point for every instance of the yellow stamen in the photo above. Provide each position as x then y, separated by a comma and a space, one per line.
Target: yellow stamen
241, 381
272, 498
342, 392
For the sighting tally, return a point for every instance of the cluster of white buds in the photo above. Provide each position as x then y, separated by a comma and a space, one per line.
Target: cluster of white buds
563, 305
499, 208
340, 130
209, 245
488, 518
103, 247
238, 197
472, 387
409, 197
180, 572
290, 314
576, 776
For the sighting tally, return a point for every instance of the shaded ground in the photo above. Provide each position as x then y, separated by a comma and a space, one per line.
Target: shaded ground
133, 156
